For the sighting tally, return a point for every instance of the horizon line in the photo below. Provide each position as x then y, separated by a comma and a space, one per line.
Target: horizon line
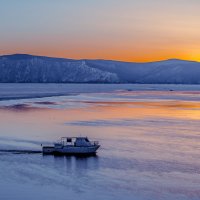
78, 59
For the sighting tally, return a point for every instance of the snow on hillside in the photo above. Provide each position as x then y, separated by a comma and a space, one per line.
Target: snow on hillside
37, 69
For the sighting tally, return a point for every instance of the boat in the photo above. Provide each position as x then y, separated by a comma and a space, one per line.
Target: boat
72, 146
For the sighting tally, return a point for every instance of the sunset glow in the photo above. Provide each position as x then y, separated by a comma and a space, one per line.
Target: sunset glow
130, 30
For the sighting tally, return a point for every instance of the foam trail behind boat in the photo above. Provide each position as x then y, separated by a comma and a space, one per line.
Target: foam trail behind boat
19, 151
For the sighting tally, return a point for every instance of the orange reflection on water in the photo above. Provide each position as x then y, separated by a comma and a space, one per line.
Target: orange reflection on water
106, 110
119, 110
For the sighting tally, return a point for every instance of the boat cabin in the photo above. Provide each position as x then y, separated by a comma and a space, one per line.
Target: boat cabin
74, 141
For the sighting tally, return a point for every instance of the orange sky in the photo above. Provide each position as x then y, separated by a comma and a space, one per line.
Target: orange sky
128, 30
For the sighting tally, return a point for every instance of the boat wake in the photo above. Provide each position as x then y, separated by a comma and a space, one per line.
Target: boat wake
13, 151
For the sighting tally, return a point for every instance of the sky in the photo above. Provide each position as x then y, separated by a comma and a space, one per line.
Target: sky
127, 30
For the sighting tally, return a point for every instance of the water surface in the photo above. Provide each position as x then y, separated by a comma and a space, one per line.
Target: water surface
149, 136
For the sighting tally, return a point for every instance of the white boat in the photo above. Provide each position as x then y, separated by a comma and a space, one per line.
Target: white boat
72, 145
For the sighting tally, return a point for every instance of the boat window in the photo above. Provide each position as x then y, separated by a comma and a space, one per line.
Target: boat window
69, 139
86, 139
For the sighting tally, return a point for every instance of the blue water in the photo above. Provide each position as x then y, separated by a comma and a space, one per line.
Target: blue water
149, 136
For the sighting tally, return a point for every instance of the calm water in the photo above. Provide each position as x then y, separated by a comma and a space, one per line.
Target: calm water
149, 136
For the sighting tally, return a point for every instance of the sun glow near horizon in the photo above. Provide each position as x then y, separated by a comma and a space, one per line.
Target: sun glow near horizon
149, 30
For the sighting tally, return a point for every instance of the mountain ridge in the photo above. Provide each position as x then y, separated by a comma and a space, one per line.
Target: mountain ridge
42, 56
26, 68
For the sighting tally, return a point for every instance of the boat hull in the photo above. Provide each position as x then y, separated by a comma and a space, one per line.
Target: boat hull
71, 150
